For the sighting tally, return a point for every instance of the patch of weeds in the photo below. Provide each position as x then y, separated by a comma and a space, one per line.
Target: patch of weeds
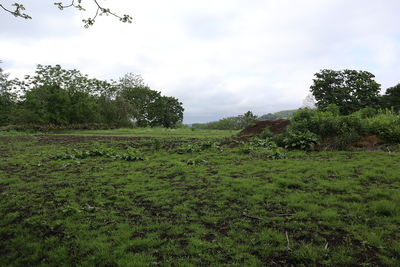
198, 147
301, 140
261, 148
129, 155
157, 144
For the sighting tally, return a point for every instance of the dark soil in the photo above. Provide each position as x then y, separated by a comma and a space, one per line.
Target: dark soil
256, 128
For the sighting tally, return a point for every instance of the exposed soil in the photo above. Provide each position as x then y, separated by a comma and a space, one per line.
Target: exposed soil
256, 128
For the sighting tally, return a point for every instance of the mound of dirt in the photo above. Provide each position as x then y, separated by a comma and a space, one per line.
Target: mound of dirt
257, 127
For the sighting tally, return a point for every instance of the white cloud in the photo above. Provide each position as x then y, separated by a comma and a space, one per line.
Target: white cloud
220, 58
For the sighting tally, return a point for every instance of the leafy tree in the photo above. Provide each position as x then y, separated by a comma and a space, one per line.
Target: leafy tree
350, 90
131, 88
47, 104
165, 111
391, 98
246, 119
58, 96
7, 98
114, 111
66, 79
147, 106
19, 8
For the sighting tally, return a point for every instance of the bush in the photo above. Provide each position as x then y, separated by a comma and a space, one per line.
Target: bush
366, 113
301, 140
327, 124
266, 133
386, 127
279, 139
324, 124
352, 123
343, 141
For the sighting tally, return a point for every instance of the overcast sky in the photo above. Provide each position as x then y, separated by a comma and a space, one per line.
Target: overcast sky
220, 58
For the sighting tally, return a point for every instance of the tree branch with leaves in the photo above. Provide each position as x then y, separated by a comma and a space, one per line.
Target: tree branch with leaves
17, 12
100, 11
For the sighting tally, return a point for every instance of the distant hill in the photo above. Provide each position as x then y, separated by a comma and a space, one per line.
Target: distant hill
284, 114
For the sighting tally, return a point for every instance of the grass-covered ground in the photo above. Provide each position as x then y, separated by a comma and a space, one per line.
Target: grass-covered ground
154, 197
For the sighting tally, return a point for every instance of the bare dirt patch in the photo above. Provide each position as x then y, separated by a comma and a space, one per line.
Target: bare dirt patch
256, 128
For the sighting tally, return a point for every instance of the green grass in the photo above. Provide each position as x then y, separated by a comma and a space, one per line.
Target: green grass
185, 206
157, 132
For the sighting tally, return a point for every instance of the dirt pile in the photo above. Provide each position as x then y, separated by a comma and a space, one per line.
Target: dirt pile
257, 127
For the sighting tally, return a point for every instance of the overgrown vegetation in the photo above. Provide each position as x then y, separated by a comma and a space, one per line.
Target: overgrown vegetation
311, 128
195, 198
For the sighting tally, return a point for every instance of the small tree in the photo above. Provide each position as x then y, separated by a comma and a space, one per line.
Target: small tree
246, 119
350, 90
165, 111
146, 106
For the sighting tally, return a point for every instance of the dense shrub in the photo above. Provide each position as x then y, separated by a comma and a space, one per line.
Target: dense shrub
327, 124
279, 139
324, 124
386, 127
266, 133
301, 140
344, 140
366, 113
351, 123
341, 131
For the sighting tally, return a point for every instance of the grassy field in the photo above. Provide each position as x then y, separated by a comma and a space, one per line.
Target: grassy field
154, 197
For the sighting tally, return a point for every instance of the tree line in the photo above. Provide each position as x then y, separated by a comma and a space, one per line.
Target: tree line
57, 96
283, 114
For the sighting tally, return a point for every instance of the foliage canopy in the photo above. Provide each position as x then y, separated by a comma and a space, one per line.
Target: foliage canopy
64, 97
350, 90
